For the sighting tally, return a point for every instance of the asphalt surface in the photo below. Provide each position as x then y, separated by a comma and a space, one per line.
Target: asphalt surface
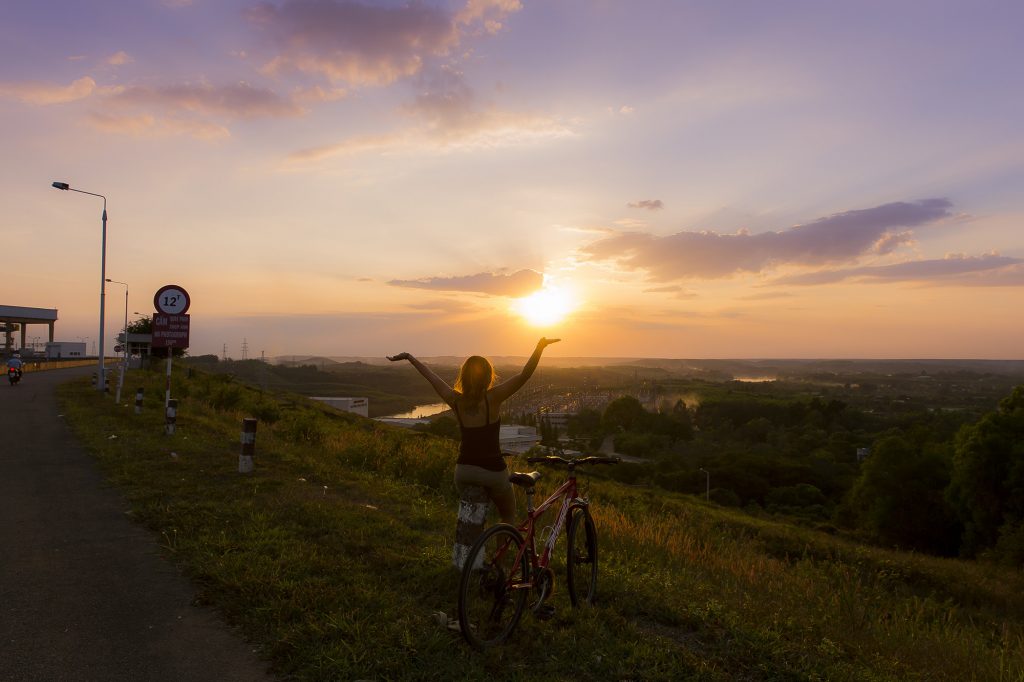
84, 593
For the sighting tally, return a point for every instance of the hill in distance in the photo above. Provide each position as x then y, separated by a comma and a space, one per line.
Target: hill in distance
739, 368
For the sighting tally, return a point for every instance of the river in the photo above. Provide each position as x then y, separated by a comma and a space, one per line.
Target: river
421, 411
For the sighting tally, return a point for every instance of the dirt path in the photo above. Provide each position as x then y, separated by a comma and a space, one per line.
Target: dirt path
84, 593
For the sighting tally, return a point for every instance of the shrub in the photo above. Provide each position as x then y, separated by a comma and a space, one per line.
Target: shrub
268, 411
724, 497
227, 397
302, 427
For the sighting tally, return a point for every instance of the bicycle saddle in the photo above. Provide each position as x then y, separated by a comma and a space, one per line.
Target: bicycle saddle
525, 480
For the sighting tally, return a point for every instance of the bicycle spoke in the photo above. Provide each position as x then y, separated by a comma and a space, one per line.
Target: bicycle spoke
581, 561
489, 608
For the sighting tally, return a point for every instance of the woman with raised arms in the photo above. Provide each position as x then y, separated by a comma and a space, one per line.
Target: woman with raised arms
476, 401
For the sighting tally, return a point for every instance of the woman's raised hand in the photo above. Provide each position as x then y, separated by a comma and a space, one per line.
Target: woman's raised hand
400, 356
545, 342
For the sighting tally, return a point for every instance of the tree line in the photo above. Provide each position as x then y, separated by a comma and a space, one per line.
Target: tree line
934, 481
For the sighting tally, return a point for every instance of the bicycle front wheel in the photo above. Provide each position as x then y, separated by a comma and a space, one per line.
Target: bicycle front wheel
581, 562
494, 586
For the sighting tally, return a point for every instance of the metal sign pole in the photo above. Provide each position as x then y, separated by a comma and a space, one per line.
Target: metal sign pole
170, 354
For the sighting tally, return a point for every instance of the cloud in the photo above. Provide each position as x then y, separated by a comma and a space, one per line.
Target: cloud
444, 126
450, 307
517, 284
120, 58
147, 125
988, 269
677, 291
43, 94
489, 14
648, 204
365, 43
842, 237
237, 101
317, 94
766, 296
369, 44
450, 113
197, 110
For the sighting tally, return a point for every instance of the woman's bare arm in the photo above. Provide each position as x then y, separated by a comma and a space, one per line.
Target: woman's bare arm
442, 388
506, 388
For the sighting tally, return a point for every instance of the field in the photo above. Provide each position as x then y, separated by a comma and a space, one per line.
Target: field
334, 556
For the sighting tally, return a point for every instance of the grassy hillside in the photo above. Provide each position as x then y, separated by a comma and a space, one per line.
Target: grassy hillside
334, 555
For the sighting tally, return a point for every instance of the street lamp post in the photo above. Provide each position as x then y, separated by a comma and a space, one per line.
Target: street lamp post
707, 488
101, 384
124, 367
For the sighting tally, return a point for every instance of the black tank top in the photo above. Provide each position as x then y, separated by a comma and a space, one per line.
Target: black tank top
479, 445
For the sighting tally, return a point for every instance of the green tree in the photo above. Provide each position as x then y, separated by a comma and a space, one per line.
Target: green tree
624, 414
444, 426
682, 421
899, 497
143, 325
987, 483
586, 426
548, 433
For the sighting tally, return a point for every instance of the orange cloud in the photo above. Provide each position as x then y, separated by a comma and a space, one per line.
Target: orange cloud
43, 94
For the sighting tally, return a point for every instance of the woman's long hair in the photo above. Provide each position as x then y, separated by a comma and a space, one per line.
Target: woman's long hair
475, 376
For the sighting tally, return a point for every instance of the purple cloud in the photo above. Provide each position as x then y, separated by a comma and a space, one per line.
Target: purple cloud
240, 100
997, 270
368, 43
836, 238
519, 283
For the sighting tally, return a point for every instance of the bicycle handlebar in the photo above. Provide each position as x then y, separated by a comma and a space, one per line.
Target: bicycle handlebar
589, 459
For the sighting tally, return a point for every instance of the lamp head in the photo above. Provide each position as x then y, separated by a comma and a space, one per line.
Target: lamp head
62, 185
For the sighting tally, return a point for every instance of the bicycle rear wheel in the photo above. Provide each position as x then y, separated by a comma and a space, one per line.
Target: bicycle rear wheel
581, 561
493, 588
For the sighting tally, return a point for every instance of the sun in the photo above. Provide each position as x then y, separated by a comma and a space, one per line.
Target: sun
545, 307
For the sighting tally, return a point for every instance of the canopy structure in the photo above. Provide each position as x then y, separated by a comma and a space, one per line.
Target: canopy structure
16, 318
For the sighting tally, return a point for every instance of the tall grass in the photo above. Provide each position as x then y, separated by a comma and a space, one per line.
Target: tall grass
334, 555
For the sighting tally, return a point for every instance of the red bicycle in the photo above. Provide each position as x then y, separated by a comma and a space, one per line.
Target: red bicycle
503, 566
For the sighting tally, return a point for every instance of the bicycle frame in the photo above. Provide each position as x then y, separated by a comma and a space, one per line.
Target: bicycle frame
567, 492
504, 565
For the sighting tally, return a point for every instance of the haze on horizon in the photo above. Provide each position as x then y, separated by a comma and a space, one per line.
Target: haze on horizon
646, 179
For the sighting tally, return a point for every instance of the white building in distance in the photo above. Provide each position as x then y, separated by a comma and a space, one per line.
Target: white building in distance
517, 439
65, 350
360, 406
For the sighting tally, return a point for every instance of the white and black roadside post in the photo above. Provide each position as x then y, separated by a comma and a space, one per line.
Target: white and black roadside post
172, 416
245, 461
138, 400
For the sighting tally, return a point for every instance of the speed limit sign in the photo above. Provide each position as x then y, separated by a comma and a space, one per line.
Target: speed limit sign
172, 300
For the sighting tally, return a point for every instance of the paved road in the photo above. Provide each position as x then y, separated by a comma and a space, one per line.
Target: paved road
84, 593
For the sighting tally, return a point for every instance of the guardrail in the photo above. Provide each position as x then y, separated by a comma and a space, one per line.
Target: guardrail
43, 365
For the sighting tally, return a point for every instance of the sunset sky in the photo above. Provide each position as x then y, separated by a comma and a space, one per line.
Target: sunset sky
678, 179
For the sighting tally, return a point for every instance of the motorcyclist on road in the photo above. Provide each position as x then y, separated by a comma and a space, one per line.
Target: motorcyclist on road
14, 362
